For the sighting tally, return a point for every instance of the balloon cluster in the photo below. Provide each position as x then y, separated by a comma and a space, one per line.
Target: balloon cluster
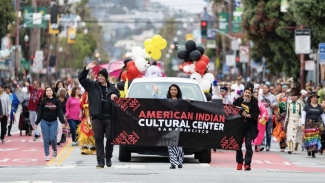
154, 45
196, 64
193, 55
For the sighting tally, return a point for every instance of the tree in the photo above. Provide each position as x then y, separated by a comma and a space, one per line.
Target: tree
168, 32
75, 54
311, 15
272, 34
7, 13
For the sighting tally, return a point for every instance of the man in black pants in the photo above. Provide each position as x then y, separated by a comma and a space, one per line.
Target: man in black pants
250, 112
100, 96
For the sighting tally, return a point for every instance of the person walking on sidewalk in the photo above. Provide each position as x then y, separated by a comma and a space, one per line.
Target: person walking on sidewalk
73, 112
250, 130
36, 93
49, 111
100, 96
14, 106
271, 103
6, 109
311, 124
293, 122
61, 94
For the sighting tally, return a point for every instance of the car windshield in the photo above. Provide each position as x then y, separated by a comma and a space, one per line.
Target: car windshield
144, 90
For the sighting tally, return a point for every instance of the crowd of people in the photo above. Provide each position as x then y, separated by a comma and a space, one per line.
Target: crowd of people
282, 111
290, 115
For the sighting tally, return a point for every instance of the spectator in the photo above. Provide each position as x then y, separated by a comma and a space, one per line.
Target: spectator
153, 70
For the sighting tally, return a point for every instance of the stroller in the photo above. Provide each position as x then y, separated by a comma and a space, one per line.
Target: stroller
24, 122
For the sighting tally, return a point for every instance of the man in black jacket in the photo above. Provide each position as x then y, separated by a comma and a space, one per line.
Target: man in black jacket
250, 112
100, 96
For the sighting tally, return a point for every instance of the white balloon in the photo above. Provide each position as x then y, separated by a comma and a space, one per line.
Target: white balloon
129, 54
137, 52
141, 64
192, 68
209, 77
205, 85
187, 68
196, 76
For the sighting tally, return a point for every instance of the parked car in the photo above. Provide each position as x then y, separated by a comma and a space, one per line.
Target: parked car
142, 88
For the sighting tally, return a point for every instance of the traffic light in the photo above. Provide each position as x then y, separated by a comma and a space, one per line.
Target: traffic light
204, 28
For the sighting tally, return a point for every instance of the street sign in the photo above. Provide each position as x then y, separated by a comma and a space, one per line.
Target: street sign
38, 61
32, 18
243, 54
234, 45
230, 60
211, 44
211, 34
321, 52
310, 65
302, 41
223, 22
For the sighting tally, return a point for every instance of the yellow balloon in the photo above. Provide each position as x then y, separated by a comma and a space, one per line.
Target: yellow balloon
156, 38
156, 43
162, 44
149, 49
156, 54
122, 94
147, 42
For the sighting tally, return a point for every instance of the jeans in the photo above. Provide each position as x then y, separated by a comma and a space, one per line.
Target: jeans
73, 127
247, 134
268, 130
49, 129
101, 127
3, 126
32, 118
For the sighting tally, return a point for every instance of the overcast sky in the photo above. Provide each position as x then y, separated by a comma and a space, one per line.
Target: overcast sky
192, 6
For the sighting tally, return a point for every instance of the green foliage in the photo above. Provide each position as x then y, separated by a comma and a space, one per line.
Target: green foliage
7, 16
168, 32
311, 15
271, 32
74, 54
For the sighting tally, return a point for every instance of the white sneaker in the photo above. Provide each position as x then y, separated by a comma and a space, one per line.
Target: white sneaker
74, 144
295, 152
47, 158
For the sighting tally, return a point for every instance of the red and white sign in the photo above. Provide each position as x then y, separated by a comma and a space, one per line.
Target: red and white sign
310, 65
243, 54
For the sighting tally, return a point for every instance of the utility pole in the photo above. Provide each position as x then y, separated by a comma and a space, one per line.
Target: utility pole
302, 67
17, 38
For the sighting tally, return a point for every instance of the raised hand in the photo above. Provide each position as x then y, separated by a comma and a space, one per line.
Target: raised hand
91, 65
155, 87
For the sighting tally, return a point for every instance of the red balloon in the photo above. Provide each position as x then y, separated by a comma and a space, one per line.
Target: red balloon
130, 63
123, 75
205, 59
139, 75
129, 76
133, 71
200, 66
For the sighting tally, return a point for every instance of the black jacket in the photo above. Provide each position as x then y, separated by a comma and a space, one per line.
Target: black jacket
94, 93
254, 113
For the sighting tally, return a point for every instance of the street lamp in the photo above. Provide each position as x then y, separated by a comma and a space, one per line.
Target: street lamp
83, 24
60, 49
179, 33
239, 41
26, 38
86, 31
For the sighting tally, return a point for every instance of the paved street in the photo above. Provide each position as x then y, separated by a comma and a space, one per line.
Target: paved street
22, 160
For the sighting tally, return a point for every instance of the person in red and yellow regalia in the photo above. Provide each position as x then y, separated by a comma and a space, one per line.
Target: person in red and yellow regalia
85, 134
